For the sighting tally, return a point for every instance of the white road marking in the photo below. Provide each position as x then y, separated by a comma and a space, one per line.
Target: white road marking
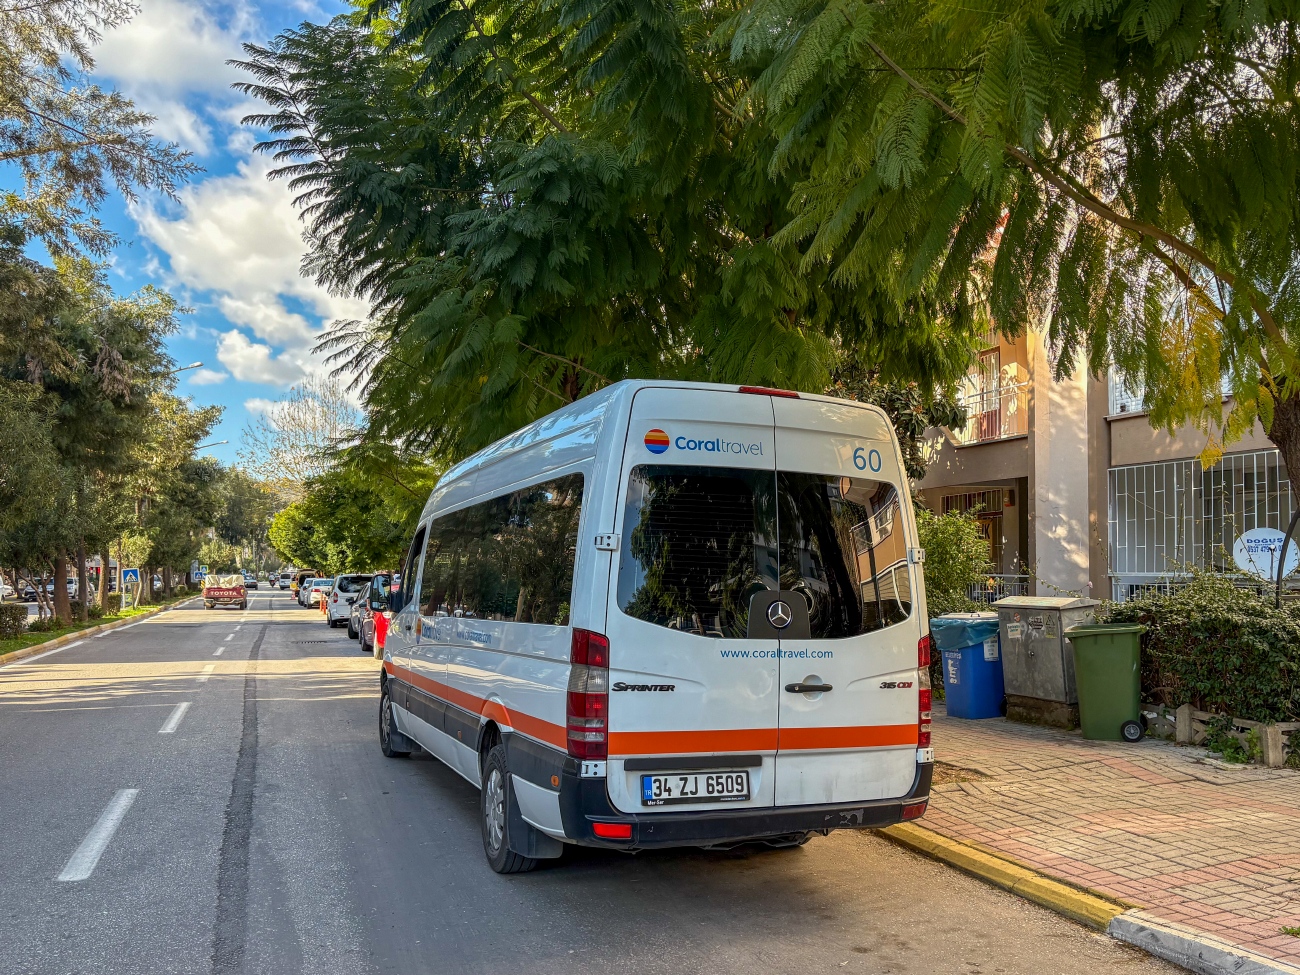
207, 672
217, 652
85, 858
237, 627
231, 637
39, 656
174, 719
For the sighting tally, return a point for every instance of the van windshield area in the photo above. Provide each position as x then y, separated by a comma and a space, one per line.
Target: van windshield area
699, 543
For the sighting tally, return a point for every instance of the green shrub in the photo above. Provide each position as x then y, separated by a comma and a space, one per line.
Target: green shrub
96, 611
1218, 648
13, 620
181, 589
956, 557
51, 624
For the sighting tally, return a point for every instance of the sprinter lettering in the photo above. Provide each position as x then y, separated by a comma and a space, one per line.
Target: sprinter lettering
620, 686
719, 446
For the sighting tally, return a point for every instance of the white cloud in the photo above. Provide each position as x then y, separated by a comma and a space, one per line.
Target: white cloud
253, 362
208, 377
172, 47
258, 405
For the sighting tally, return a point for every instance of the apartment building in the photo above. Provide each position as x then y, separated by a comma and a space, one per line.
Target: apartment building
1077, 493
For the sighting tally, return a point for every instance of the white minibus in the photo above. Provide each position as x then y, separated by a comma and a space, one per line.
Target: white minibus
670, 614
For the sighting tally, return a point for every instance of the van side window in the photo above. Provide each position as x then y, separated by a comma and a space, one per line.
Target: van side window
510, 558
843, 547
408, 590
698, 544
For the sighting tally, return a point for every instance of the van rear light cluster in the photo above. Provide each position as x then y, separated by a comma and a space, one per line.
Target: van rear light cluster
913, 810
924, 697
587, 714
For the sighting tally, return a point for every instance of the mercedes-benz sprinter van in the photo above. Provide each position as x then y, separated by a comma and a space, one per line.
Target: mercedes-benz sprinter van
670, 614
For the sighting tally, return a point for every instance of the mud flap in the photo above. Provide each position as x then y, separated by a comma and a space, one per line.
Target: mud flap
526, 840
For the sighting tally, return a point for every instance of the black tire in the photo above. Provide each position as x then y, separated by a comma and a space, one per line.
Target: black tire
352, 631
368, 648
244, 604
386, 726
207, 605
1132, 731
495, 798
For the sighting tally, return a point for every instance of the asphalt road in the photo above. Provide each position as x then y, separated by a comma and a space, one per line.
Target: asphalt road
266, 833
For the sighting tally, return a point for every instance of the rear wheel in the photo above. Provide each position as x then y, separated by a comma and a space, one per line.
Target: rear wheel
208, 605
494, 817
386, 731
352, 630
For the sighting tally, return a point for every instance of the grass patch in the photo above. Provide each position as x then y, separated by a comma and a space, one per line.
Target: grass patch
1294, 932
12, 644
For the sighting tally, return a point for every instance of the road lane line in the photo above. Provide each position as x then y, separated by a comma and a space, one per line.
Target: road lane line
207, 672
238, 625
218, 652
174, 719
85, 858
231, 637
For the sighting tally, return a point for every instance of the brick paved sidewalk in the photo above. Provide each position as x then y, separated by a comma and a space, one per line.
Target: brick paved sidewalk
1213, 847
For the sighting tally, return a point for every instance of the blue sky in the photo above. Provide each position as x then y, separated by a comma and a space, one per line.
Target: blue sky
230, 247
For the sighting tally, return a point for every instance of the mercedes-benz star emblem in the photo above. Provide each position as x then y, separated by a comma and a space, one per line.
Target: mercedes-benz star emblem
778, 614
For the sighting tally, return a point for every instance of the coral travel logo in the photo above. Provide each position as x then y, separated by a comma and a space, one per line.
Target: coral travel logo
656, 441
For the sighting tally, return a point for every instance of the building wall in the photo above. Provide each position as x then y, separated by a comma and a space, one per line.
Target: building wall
1133, 441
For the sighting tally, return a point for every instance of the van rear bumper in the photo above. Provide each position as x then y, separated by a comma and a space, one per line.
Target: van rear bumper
584, 802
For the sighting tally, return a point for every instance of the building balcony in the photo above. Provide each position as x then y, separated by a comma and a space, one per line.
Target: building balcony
994, 414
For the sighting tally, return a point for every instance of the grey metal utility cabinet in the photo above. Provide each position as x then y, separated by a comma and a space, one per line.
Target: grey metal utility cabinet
1037, 659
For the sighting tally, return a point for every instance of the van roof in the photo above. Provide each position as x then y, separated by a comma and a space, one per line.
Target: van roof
592, 408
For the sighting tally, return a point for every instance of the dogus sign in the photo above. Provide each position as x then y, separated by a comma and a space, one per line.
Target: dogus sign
1257, 552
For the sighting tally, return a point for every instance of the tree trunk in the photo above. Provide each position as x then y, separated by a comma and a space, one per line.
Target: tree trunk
61, 607
83, 579
1285, 434
167, 581
102, 597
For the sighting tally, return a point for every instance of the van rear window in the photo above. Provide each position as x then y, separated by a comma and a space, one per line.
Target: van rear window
700, 542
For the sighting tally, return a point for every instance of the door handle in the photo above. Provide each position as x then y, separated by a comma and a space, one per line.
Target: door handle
807, 688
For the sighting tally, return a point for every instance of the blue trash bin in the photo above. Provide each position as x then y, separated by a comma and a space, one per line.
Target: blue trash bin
972, 663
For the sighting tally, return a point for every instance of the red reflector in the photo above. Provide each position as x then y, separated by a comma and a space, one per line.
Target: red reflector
914, 811
769, 391
923, 737
923, 650
623, 831
926, 697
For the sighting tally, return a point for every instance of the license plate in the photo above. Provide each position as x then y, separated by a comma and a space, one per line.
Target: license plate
674, 787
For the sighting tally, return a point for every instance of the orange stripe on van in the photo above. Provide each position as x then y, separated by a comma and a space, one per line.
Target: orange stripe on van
552, 734
759, 740
863, 736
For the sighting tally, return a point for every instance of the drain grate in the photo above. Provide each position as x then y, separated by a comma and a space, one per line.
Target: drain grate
300, 642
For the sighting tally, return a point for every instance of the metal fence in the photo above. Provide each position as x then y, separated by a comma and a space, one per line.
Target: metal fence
1168, 517
995, 587
994, 414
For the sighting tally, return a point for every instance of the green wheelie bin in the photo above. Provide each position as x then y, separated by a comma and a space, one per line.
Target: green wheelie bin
1107, 670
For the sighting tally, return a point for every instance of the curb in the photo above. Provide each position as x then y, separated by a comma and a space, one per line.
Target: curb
1194, 950
65, 639
1183, 946
1091, 910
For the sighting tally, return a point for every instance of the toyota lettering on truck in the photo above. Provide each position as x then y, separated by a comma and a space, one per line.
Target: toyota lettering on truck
669, 614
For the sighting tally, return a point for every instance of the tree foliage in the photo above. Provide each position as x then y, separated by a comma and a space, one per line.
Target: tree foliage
291, 442
67, 137
542, 198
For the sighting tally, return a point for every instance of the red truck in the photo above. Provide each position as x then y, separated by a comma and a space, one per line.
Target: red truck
227, 590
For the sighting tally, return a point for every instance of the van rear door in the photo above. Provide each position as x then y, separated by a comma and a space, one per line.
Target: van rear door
848, 673
693, 679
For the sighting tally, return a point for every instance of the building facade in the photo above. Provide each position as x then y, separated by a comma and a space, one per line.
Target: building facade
1076, 493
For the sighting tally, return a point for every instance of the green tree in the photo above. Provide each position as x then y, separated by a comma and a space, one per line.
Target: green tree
1125, 172
66, 137
542, 198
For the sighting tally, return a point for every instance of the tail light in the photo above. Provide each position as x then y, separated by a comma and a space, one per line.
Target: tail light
336, 597
769, 391
588, 699
924, 698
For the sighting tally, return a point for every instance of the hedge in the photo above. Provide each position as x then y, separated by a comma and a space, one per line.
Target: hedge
13, 620
1219, 648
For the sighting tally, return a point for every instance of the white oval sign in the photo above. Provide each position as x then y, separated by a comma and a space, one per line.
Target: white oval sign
1257, 551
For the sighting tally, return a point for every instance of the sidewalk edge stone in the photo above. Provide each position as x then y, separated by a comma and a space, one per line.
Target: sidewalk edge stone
66, 638
1089, 909
1194, 950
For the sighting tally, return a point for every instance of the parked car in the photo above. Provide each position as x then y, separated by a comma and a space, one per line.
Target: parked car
356, 608
29, 591
301, 577
224, 590
374, 616
316, 590
304, 587
6, 590
343, 595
